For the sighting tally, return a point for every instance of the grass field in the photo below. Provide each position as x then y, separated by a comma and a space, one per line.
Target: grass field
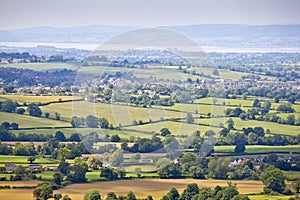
164, 72
176, 128
43, 66
38, 99
260, 148
26, 121
231, 75
201, 109
116, 114
228, 102
23, 159
274, 128
144, 168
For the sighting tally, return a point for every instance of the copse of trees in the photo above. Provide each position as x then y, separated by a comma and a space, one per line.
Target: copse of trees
144, 145
34, 110
8, 106
91, 122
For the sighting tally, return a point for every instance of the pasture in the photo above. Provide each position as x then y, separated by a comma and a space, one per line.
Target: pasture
260, 148
176, 128
116, 114
38, 99
23, 160
274, 128
163, 72
26, 121
43, 66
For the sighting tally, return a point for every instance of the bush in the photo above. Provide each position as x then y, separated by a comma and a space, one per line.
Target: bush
287, 191
267, 190
4, 187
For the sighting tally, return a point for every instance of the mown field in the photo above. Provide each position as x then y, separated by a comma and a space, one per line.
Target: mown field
260, 148
142, 187
26, 121
23, 159
274, 128
176, 128
116, 114
84, 131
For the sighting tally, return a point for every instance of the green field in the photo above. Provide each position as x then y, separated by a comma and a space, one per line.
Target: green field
84, 131
260, 148
23, 159
144, 168
235, 102
38, 99
164, 72
26, 121
231, 75
274, 128
201, 109
176, 128
116, 114
43, 66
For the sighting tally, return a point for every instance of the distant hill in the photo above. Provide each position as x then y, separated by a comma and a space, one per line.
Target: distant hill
221, 35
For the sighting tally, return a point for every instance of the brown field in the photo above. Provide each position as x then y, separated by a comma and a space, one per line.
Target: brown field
156, 187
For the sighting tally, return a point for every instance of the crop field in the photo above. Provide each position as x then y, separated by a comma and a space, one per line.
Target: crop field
260, 148
156, 187
26, 121
43, 66
268, 197
274, 128
38, 99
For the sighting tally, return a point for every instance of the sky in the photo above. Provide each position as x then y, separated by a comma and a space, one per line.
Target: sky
145, 13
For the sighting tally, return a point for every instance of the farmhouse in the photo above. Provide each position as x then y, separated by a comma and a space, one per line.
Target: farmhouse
10, 166
50, 168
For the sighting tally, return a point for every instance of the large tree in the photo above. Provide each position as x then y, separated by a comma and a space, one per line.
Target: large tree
274, 179
34, 110
9, 106
92, 195
43, 191
91, 121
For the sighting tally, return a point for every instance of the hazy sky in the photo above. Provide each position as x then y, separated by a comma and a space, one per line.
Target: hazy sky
145, 13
